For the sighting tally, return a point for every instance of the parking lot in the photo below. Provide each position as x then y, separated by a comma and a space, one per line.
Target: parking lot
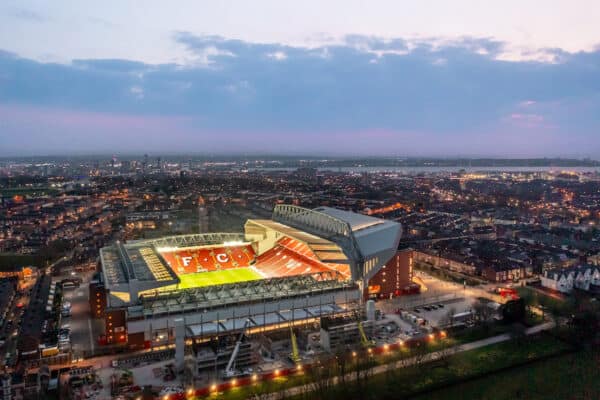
439, 313
436, 303
79, 322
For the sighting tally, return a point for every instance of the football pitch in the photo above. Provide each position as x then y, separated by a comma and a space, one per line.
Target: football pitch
202, 279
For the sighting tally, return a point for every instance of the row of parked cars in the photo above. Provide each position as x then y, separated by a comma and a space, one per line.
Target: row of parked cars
64, 338
429, 307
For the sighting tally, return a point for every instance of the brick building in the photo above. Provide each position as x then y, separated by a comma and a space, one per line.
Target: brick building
395, 278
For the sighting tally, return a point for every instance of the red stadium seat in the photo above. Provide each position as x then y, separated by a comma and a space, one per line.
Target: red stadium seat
204, 259
289, 258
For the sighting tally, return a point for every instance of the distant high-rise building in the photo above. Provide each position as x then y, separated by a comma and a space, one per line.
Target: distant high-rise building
202, 216
366, 180
307, 174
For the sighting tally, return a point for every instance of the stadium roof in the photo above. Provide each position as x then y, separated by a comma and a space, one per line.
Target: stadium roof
139, 260
325, 250
123, 264
207, 297
373, 235
356, 221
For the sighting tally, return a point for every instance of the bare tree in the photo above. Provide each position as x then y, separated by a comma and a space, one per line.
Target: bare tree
322, 377
445, 354
482, 312
448, 318
420, 355
364, 364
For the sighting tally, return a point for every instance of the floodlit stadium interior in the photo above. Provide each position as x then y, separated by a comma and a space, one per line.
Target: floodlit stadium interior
287, 272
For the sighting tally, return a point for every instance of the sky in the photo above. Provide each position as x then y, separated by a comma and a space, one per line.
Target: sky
365, 78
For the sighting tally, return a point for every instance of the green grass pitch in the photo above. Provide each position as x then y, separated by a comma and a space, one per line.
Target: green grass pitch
202, 279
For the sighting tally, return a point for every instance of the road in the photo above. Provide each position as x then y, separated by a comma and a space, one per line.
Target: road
298, 390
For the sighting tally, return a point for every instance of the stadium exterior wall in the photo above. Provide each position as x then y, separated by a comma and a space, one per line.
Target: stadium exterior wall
149, 326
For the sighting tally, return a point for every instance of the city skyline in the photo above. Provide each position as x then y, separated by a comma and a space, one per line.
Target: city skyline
352, 82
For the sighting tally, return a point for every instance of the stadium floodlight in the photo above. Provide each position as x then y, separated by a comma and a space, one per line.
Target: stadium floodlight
166, 249
233, 243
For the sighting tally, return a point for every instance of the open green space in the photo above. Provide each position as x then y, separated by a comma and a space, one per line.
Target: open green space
553, 305
456, 368
222, 277
571, 376
28, 191
443, 377
9, 261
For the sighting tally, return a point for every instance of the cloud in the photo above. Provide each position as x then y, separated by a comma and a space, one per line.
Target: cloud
102, 22
137, 92
27, 15
529, 120
426, 95
278, 55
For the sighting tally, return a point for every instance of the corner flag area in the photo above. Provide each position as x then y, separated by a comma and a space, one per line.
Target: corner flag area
201, 279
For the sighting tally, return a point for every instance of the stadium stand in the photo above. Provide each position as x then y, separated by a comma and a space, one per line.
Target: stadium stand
193, 260
318, 252
283, 261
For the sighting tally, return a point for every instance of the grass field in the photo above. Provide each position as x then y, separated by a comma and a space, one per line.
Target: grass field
549, 379
572, 376
202, 279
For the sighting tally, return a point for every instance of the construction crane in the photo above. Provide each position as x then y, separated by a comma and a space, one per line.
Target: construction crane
295, 356
363, 337
229, 370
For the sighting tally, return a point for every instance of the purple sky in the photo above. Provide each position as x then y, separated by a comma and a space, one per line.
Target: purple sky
387, 80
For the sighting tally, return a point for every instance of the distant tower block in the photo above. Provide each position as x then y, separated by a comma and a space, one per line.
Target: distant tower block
202, 216
179, 343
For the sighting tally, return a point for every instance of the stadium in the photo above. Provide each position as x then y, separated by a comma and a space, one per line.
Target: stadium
292, 269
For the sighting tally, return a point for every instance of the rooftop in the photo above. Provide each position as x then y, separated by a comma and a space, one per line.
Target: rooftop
357, 221
373, 235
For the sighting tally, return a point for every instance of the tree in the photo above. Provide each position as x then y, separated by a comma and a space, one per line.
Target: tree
585, 326
482, 313
364, 364
448, 318
518, 332
444, 355
513, 311
322, 377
